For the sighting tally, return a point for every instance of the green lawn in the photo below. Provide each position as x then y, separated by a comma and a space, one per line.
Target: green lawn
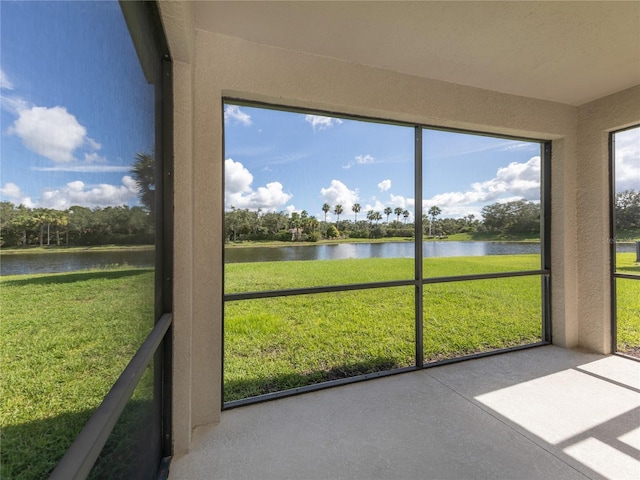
287, 342
628, 305
65, 340
34, 250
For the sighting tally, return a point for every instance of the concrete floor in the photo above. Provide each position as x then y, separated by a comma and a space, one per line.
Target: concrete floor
544, 413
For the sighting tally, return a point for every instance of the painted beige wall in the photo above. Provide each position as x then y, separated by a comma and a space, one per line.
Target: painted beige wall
210, 66
178, 24
595, 121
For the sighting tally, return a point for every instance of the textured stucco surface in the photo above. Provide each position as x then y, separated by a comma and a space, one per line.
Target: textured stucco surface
544, 50
213, 66
595, 121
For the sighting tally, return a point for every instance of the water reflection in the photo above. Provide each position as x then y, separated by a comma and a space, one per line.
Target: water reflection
376, 250
57, 262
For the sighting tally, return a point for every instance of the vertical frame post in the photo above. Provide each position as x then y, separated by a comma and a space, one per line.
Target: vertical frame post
612, 242
418, 227
546, 241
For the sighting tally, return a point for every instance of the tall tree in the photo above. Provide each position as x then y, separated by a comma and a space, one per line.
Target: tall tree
519, 216
387, 212
143, 171
627, 210
355, 208
433, 212
371, 216
398, 212
325, 208
338, 211
405, 214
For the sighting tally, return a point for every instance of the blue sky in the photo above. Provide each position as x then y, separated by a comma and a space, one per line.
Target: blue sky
75, 105
627, 160
287, 161
76, 109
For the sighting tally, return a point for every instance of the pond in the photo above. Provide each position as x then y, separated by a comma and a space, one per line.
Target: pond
17, 264
54, 262
376, 250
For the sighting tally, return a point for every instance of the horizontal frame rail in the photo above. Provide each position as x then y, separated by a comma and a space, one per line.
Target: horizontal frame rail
368, 376
228, 297
484, 276
83, 453
627, 276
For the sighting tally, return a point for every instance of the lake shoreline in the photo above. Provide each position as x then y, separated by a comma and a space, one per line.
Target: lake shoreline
73, 249
452, 238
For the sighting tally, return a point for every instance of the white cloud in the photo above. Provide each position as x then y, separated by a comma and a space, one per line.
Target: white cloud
319, 122
239, 193
627, 159
360, 160
377, 205
402, 202
93, 145
364, 159
236, 177
53, 132
93, 157
12, 104
339, 194
290, 209
78, 193
513, 182
84, 168
384, 185
237, 116
5, 83
518, 179
12, 193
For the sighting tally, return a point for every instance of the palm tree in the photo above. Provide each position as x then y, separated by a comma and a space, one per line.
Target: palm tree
387, 212
371, 216
143, 172
325, 208
338, 210
434, 212
40, 218
355, 208
405, 214
377, 216
398, 212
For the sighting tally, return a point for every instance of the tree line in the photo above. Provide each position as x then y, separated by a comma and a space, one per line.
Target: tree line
518, 217
627, 210
22, 226
78, 225
506, 219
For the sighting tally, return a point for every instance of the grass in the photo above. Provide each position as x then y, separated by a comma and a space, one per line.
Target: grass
287, 342
70, 249
65, 340
67, 337
260, 276
628, 305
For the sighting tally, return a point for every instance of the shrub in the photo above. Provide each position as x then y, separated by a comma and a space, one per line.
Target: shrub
332, 232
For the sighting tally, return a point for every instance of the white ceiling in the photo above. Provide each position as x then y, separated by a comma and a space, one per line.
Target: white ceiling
568, 52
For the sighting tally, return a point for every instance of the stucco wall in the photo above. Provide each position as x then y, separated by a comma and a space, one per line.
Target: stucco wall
595, 121
215, 66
